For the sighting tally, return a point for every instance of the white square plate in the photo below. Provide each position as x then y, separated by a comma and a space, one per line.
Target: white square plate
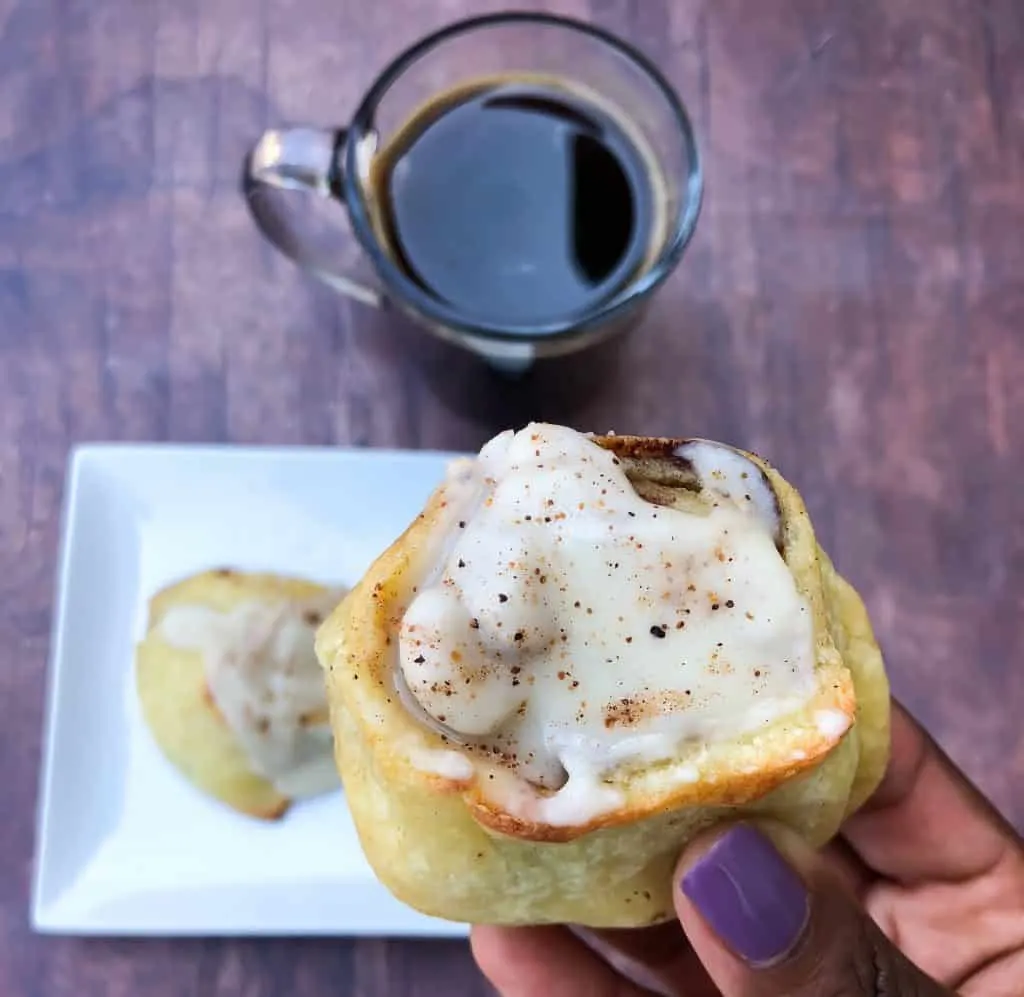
125, 845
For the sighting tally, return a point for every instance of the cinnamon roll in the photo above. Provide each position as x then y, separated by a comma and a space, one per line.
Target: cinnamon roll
584, 651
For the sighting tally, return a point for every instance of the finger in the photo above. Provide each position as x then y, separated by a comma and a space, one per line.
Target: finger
527, 962
658, 958
904, 831
765, 925
848, 866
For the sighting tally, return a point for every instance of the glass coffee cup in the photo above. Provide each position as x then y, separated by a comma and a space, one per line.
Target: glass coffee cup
520, 183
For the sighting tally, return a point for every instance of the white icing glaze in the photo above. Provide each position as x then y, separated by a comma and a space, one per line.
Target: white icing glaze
447, 763
732, 476
832, 723
265, 680
311, 769
571, 628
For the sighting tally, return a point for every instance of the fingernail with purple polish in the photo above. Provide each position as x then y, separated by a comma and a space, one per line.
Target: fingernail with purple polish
749, 896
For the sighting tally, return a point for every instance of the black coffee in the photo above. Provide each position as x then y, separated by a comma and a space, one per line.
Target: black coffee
515, 203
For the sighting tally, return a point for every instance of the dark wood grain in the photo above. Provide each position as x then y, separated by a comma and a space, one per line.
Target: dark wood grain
852, 307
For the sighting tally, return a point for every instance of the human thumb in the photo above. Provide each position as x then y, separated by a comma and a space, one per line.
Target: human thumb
773, 920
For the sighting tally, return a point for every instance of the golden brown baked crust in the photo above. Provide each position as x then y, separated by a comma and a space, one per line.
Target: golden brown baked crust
442, 843
177, 706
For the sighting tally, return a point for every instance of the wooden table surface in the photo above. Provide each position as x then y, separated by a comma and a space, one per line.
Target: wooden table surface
852, 306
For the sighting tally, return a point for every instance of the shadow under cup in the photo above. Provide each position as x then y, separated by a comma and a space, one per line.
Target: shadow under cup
587, 82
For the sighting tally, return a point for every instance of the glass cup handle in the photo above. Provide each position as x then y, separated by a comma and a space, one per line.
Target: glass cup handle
303, 159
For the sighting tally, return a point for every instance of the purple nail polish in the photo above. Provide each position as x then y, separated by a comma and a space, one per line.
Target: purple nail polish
749, 896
